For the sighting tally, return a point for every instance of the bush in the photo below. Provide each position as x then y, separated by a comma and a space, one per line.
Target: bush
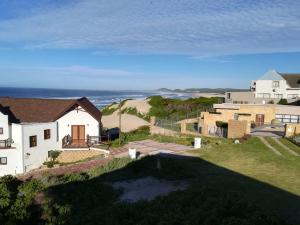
221, 124
283, 101
53, 155
50, 164
165, 107
141, 133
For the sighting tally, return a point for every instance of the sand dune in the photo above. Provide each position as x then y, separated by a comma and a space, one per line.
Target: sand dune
129, 122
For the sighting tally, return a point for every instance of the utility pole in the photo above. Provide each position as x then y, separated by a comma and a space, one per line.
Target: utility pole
120, 120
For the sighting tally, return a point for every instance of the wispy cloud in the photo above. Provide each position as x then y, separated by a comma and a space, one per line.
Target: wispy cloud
73, 71
192, 27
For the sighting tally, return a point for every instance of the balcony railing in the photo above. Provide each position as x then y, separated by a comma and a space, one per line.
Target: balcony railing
6, 143
91, 141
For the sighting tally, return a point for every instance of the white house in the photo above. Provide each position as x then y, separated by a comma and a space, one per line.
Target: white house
271, 87
277, 85
30, 128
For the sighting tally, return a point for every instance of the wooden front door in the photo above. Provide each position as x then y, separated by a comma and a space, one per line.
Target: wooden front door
78, 133
260, 120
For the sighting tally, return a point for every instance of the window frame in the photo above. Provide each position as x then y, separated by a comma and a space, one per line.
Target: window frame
1, 160
47, 135
32, 143
1, 130
277, 84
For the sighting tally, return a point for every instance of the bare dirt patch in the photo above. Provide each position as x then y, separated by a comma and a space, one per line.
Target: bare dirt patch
147, 188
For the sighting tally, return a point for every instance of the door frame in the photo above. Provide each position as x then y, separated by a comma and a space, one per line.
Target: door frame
259, 120
78, 132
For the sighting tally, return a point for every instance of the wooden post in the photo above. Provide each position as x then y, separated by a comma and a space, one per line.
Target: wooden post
120, 123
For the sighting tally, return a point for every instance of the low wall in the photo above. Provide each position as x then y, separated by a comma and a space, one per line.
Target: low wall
292, 129
237, 128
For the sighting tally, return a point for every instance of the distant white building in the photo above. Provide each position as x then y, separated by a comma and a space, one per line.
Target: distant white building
30, 128
272, 86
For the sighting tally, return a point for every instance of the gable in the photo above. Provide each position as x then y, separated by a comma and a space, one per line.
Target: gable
271, 75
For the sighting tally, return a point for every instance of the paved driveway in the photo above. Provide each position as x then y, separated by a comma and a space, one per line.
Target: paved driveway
149, 147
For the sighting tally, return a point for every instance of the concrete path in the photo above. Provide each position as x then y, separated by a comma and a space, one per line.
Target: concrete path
263, 140
285, 147
149, 147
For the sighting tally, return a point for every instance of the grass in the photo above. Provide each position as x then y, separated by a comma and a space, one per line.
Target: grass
144, 133
291, 145
219, 171
230, 184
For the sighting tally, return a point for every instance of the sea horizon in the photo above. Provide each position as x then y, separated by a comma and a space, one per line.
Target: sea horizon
100, 98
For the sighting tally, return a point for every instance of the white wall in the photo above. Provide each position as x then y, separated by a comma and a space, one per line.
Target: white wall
266, 86
4, 125
77, 117
14, 155
35, 156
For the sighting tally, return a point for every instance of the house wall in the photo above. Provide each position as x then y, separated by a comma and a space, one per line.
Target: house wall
5, 126
268, 110
34, 157
246, 113
77, 117
292, 92
14, 155
266, 86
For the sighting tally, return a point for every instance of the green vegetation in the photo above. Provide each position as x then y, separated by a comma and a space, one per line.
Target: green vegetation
144, 133
165, 107
53, 155
229, 184
136, 135
110, 109
283, 101
221, 124
134, 111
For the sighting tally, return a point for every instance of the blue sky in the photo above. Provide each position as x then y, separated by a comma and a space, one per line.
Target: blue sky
146, 44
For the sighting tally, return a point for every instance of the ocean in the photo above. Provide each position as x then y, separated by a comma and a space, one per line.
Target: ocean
98, 98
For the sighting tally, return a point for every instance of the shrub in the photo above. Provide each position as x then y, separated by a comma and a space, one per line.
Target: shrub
221, 124
53, 155
165, 107
283, 101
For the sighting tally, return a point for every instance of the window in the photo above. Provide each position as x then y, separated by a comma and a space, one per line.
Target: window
236, 116
288, 118
1, 130
32, 141
3, 160
263, 95
228, 95
275, 83
280, 96
292, 96
47, 134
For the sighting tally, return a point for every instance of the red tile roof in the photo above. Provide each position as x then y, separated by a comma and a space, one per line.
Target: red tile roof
44, 110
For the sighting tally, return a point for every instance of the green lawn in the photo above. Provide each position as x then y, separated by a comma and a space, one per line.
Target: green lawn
230, 184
